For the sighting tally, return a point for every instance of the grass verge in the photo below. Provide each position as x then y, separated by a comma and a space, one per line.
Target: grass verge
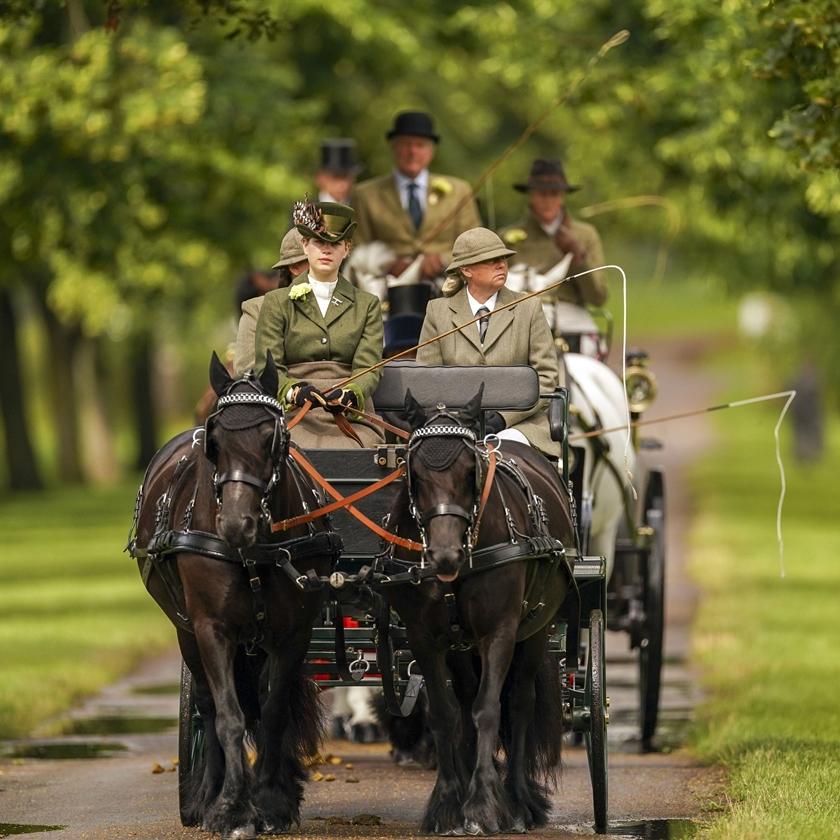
769, 647
75, 614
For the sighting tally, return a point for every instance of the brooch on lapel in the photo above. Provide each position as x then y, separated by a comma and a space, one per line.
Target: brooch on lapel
299, 290
337, 301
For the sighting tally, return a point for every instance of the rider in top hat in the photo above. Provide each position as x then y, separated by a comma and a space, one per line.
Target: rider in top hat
515, 336
322, 329
337, 171
548, 233
412, 210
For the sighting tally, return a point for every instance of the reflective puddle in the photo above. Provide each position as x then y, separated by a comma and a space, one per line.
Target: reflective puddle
118, 725
65, 749
643, 829
9, 829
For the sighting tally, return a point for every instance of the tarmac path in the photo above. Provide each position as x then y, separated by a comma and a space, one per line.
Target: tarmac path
121, 797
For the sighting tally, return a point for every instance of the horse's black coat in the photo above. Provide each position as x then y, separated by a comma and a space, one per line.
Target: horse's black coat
266, 694
503, 692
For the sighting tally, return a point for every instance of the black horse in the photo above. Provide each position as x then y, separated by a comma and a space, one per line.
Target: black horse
202, 544
483, 618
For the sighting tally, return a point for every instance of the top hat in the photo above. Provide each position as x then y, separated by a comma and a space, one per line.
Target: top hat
409, 299
415, 124
546, 175
338, 156
291, 250
328, 221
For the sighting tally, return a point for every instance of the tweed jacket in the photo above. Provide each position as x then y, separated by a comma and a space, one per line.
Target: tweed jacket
244, 348
516, 336
536, 248
295, 332
382, 218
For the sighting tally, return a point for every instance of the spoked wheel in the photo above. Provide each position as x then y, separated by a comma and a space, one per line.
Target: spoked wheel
190, 744
595, 736
651, 649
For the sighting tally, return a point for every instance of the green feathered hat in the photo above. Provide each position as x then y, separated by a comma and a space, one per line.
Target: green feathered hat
324, 220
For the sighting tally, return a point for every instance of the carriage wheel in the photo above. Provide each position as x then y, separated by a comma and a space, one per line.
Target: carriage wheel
190, 743
596, 736
651, 649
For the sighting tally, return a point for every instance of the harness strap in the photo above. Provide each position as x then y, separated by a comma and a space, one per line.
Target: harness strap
485, 493
302, 412
411, 545
286, 524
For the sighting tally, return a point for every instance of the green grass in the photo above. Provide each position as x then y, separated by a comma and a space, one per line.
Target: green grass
75, 614
769, 647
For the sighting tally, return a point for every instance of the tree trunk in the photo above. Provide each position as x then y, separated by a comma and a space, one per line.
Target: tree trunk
63, 344
145, 415
100, 459
23, 470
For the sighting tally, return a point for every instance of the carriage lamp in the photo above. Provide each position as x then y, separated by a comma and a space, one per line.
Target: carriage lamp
640, 382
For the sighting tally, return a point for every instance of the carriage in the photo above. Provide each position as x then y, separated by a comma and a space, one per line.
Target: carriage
375, 651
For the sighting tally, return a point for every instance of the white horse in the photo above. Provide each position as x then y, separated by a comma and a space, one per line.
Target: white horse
598, 400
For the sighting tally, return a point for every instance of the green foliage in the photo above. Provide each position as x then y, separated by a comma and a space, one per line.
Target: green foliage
767, 645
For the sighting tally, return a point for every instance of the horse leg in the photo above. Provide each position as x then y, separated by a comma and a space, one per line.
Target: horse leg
443, 810
487, 808
465, 682
232, 814
532, 712
205, 788
291, 730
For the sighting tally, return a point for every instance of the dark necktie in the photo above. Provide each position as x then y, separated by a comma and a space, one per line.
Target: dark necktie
483, 323
414, 208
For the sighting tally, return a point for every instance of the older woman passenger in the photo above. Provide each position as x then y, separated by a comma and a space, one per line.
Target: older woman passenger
516, 336
320, 330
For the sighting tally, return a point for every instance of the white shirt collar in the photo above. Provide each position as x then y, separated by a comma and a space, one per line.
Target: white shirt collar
490, 303
552, 227
323, 292
422, 181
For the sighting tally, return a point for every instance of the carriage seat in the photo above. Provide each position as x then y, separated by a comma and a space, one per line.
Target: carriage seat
506, 387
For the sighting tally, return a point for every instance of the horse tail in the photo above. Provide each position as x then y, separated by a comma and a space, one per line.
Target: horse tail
304, 732
544, 735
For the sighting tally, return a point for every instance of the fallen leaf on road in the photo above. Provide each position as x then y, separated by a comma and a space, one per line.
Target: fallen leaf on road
334, 759
329, 777
367, 819
352, 780
348, 766
317, 777
156, 768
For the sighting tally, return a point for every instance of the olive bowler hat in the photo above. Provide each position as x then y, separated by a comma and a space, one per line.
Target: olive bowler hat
291, 250
546, 175
414, 124
328, 221
338, 156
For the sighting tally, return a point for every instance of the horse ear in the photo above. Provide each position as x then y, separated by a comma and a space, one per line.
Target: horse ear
219, 376
472, 410
269, 378
414, 412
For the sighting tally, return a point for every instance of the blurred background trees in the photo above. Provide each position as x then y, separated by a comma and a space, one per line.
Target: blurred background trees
149, 151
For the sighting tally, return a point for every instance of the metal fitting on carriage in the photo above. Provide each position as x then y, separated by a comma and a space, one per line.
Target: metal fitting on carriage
337, 580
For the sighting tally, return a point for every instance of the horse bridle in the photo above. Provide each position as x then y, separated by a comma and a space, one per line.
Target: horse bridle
432, 429
279, 443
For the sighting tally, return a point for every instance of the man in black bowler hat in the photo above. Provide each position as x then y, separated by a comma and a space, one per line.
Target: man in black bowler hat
338, 170
412, 210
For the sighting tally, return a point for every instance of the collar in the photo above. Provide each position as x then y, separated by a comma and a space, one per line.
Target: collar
320, 288
422, 181
490, 303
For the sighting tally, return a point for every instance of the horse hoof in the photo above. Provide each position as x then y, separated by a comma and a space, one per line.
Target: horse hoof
245, 832
454, 832
473, 828
518, 826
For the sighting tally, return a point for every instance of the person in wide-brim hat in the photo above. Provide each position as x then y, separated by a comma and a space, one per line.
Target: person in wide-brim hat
471, 247
516, 334
546, 175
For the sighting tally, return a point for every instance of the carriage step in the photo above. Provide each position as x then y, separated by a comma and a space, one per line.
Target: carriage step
590, 568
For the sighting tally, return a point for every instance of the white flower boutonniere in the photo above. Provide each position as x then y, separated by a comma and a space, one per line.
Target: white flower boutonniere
438, 188
299, 290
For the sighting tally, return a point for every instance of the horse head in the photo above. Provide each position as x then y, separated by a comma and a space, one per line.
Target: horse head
444, 481
246, 439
